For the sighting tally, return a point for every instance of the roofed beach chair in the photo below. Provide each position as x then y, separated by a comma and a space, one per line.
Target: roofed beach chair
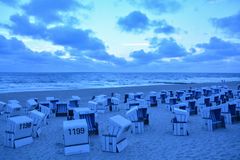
212, 118
13, 109
18, 132
193, 109
171, 101
114, 138
74, 102
32, 104
137, 122
89, 115
163, 96
52, 101
230, 113
152, 99
38, 122
180, 122
76, 139
61, 109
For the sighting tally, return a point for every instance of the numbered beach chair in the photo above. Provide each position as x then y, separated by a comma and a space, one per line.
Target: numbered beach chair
114, 138
180, 122
18, 132
89, 115
61, 109
38, 122
76, 140
212, 118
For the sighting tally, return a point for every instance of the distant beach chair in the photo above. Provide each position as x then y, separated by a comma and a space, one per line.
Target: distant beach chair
171, 101
32, 104
74, 102
61, 109
180, 122
114, 138
18, 132
38, 122
53, 101
115, 102
100, 103
2, 107
13, 109
89, 115
163, 96
76, 140
152, 99
212, 118
193, 109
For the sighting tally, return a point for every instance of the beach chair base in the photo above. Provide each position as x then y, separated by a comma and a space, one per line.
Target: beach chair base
78, 149
180, 129
11, 142
109, 144
138, 127
209, 125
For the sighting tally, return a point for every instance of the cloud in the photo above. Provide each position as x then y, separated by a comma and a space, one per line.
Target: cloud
217, 49
157, 6
61, 35
50, 11
163, 27
138, 22
230, 25
164, 48
135, 21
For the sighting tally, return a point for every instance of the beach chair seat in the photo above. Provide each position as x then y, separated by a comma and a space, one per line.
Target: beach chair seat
18, 132
75, 134
89, 115
153, 101
180, 122
114, 138
61, 109
143, 115
38, 122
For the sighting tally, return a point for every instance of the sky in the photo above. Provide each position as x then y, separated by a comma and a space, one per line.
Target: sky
120, 36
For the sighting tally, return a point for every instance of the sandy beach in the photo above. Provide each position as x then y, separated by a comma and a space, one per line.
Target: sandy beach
156, 143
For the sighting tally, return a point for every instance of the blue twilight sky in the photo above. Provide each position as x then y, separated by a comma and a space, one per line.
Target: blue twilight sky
120, 35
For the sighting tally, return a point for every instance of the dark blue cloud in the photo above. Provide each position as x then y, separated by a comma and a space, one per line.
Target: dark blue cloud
63, 35
164, 48
50, 10
163, 27
138, 22
135, 21
158, 6
217, 49
22, 26
230, 25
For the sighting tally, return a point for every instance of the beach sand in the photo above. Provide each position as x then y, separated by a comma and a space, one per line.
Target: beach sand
156, 143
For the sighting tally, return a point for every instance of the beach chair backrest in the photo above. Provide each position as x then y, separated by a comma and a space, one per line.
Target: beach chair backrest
232, 109
191, 104
132, 114
215, 114
207, 102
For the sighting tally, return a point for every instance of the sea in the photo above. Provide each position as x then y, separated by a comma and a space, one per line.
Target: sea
18, 82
